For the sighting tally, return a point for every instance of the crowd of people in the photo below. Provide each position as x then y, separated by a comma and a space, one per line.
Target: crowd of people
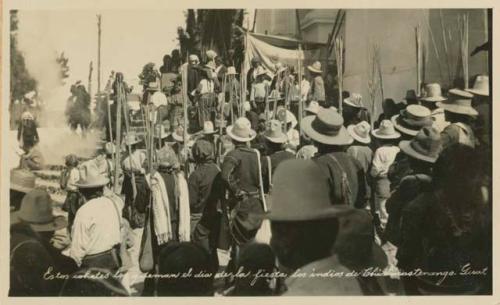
328, 203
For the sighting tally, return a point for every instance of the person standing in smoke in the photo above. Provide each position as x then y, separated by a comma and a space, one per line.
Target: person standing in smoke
78, 108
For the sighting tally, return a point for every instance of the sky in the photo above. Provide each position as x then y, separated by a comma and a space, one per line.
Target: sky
129, 39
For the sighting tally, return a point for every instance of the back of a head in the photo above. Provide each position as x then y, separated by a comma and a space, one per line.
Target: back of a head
178, 258
93, 282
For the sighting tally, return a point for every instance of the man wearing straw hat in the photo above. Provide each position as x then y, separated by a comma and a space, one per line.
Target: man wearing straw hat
460, 113
133, 166
432, 96
422, 152
317, 92
96, 234
345, 174
32, 249
252, 72
482, 103
259, 90
241, 174
276, 139
305, 227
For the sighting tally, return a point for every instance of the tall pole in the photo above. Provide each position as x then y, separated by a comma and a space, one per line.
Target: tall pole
118, 102
99, 53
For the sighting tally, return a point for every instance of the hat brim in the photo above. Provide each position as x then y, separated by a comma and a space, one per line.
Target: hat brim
403, 129
312, 69
281, 139
348, 102
433, 99
304, 215
478, 92
342, 138
59, 222
350, 130
209, 132
458, 109
229, 131
178, 138
102, 181
20, 188
377, 135
405, 146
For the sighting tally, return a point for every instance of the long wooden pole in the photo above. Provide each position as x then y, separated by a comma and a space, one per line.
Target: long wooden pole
299, 70
339, 46
118, 137
184, 74
99, 53
418, 50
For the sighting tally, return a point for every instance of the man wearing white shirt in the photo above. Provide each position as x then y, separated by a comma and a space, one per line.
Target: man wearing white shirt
96, 231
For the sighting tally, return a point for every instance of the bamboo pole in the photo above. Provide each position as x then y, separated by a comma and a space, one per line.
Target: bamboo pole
118, 137
445, 44
418, 50
301, 103
339, 46
184, 74
99, 53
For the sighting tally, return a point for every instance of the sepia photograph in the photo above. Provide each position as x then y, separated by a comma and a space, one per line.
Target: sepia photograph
248, 152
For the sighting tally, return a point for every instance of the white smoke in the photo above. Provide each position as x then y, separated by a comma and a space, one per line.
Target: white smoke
40, 52
40, 55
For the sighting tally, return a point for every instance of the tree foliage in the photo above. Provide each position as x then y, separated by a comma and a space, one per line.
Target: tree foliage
21, 81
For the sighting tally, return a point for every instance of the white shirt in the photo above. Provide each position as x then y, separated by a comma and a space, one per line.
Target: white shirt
382, 159
206, 86
135, 161
159, 99
74, 176
304, 90
96, 228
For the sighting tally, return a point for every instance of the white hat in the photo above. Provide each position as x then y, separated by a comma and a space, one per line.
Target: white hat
481, 85
386, 130
241, 130
208, 127
313, 107
315, 67
360, 132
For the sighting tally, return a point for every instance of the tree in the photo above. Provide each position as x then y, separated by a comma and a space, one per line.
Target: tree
21, 81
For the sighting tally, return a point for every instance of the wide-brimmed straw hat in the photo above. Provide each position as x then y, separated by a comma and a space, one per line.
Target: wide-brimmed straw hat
360, 132
241, 130
459, 101
208, 127
412, 119
231, 71
355, 100
300, 193
315, 67
22, 180
36, 210
90, 177
432, 93
481, 85
131, 138
425, 146
261, 71
326, 127
386, 131
274, 132
178, 135
313, 107
290, 117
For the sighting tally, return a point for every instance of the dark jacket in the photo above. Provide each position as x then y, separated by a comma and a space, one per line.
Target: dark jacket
193, 79
276, 158
240, 170
428, 242
30, 258
409, 188
200, 185
354, 173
